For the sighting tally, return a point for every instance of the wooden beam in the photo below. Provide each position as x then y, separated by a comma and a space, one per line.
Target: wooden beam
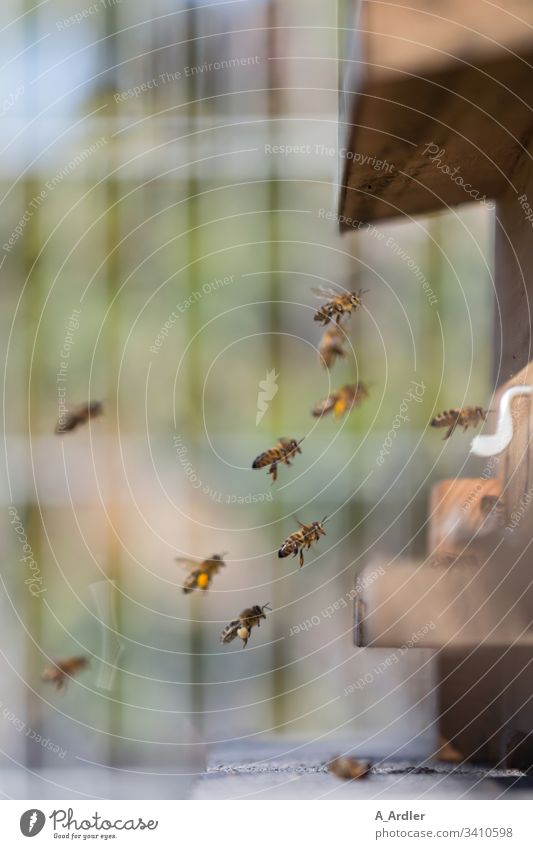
422, 37
513, 264
447, 604
420, 138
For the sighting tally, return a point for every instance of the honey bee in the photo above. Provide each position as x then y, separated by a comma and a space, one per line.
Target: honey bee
302, 539
340, 305
79, 415
202, 572
341, 401
331, 346
349, 768
283, 452
61, 670
463, 417
242, 627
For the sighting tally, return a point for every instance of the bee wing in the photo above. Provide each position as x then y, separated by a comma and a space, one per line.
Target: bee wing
325, 292
187, 562
230, 631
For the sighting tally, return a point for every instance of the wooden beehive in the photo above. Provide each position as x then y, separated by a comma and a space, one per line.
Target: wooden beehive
457, 79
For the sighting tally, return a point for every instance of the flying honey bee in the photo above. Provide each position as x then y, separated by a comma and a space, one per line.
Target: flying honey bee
302, 539
79, 415
242, 627
341, 401
349, 768
283, 452
201, 574
463, 417
447, 752
331, 346
339, 306
61, 670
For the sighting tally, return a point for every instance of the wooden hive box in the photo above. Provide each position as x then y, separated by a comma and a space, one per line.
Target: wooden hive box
444, 92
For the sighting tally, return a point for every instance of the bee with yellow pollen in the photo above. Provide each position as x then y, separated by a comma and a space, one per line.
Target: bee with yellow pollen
342, 400
201, 573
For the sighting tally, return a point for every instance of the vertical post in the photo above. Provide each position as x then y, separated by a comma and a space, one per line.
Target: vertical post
33, 606
112, 283
32, 615
274, 322
192, 188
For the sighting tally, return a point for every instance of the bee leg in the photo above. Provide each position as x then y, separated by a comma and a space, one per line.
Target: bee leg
301, 557
274, 472
450, 430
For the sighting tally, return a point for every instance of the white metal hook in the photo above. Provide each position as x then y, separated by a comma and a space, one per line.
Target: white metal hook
495, 443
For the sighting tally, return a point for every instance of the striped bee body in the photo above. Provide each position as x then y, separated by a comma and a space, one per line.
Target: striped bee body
197, 579
341, 305
282, 452
230, 631
459, 417
302, 540
201, 575
242, 627
79, 415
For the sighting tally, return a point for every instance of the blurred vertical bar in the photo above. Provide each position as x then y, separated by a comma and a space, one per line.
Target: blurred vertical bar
274, 325
113, 276
194, 428
304, 113
33, 606
14, 647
